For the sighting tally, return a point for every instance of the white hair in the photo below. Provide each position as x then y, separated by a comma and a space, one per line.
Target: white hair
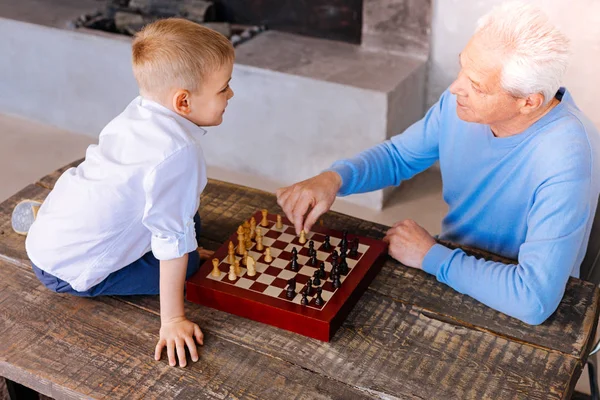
535, 52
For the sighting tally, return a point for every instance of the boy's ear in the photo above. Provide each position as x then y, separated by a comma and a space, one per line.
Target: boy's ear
182, 102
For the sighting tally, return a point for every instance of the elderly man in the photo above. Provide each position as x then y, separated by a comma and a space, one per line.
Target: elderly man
519, 164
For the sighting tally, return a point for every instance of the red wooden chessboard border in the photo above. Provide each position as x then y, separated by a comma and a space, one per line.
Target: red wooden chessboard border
308, 321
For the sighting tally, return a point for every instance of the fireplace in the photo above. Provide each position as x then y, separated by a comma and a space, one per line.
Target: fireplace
237, 19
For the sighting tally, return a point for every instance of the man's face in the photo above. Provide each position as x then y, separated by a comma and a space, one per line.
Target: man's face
479, 95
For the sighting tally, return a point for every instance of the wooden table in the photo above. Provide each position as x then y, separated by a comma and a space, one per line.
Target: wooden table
409, 336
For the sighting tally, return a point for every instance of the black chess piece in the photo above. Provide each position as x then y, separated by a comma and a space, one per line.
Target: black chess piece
317, 278
309, 288
319, 300
313, 260
343, 251
304, 300
294, 264
343, 266
291, 289
334, 258
322, 270
294, 253
354, 248
344, 239
334, 271
326, 243
311, 248
337, 283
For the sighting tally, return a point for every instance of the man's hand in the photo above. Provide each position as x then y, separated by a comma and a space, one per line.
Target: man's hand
409, 243
317, 192
175, 335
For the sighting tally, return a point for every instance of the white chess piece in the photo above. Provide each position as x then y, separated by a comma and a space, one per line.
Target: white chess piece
268, 257
251, 266
279, 224
259, 240
215, 272
232, 276
302, 239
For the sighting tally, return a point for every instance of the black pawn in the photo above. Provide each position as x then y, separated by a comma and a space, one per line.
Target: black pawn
319, 300
354, 248
326, 244
334, 271
313, 260
337, 283
334, 258
294, 253
311, 248
343, 266
343, 251
309, 287
317, 278
322, 269
294, 264
304, 300
344, 239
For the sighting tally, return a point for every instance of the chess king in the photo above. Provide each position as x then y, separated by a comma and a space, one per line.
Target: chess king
519, 163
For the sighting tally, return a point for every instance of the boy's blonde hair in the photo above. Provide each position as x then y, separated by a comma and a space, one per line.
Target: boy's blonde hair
177, 52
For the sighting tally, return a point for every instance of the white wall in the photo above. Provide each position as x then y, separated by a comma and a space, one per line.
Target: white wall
454, 22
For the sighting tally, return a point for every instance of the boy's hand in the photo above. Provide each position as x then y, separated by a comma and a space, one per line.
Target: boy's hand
317, 193
175, 334
205, 254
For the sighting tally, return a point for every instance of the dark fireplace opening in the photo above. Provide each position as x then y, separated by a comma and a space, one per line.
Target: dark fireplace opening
239, 20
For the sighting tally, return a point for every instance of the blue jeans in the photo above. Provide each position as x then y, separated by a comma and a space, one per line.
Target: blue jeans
138, 278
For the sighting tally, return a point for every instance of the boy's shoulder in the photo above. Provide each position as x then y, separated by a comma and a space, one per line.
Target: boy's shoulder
146, 126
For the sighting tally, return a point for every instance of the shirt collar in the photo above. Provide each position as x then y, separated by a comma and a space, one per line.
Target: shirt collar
190, 127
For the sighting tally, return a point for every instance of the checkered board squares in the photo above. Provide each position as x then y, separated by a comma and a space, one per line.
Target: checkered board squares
263, 297
271, 278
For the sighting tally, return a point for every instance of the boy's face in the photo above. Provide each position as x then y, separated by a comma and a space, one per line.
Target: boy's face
206, 106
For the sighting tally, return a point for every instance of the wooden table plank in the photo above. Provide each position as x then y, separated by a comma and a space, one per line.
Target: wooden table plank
69, 347
224, 206
49, 180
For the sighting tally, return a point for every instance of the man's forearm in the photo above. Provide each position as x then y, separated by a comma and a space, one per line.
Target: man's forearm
172, 279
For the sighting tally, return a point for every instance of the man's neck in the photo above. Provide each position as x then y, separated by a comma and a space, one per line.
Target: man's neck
521, 123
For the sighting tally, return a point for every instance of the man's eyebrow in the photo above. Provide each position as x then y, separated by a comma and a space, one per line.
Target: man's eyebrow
460, 63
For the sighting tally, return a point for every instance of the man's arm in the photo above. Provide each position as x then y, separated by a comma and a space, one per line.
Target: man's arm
532, 289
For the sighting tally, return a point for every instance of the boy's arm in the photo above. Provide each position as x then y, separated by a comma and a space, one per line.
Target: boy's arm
176, 331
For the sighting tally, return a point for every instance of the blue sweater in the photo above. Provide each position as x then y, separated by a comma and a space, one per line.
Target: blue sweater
529, 197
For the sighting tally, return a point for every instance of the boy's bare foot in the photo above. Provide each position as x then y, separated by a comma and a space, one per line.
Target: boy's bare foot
205, 254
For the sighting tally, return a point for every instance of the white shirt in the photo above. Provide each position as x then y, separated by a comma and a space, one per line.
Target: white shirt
137, 190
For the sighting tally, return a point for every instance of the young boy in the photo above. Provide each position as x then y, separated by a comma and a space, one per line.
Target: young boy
125, 221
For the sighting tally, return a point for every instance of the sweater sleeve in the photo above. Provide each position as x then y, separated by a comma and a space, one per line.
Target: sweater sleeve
397, 159
532, 289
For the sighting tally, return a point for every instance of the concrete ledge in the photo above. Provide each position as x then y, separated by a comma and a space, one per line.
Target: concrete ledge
300, 103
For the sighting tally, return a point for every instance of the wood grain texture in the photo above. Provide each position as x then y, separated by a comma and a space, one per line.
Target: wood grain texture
49, 180
74, 348
408, 337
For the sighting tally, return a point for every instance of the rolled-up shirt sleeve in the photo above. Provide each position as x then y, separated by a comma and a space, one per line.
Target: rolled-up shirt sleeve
172, 199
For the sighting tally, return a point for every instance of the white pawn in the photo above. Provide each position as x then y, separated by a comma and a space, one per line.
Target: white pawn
279, 224
259, 240
268, 257
232, 276
302, 239
215, 272
251, 266
236, 268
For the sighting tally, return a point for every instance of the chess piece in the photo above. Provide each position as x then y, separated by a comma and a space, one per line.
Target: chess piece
251, 266
245, 257
311, 247
334, 271
232, 275
294, 264
279, 224
337, 283
354, 248
236, 268
241, 247
322, 270
291, 289
216, 272
294, 253
302, 239
343, 266
264, 222
252, 227
231, 253
344, 239
304, 300
259, 240
319, 300
313, 260
309, 288
268, 257
317, 278
326, 243
334, 258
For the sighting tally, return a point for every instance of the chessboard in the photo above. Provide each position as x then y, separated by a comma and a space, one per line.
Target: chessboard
308, 288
